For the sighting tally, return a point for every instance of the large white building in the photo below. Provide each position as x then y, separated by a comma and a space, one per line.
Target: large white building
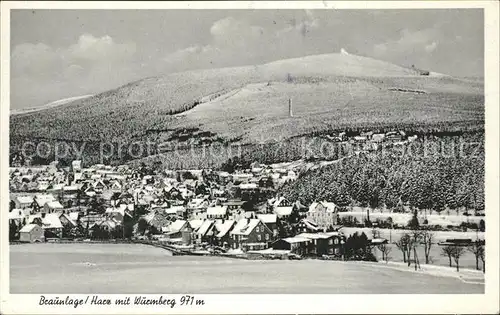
323, 213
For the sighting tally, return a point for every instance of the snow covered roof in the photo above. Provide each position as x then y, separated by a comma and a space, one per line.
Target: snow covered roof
234, 203
43, 186
99, 182
314, 235
359, 138
239, 225
25, 199
173, 210
204, 229
196, 202
276, 202
28, 228
268, 218
283, 211
109, 222
57, 186
296, 239
177, 225
248, 186
217, 210
242, 176
74, 216
16, 214
195, 224
245, 226
149, 217
78, 176
178, 208
329, 206
379, 241
54, 205
129, 206
223, 227
310, 224
32, 217
51, 221
68, 218
169, 188
41, 200
121, 210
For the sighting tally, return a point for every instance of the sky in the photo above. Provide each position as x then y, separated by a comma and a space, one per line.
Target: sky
64, 53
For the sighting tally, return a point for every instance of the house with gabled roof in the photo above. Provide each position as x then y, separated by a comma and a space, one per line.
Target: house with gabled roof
172, 192
52, 206
115, 186
157, 219
23, 202
99, 185
222, 232
31, 233
323, 213
179, 231
41, 200
296, 245
217, 212
271, 221
283, 212
197, 203
42, 185
307, 226
326, 243
279, 201
50, 222
250, 234
120, 213
18, 215
204, 233
67, 221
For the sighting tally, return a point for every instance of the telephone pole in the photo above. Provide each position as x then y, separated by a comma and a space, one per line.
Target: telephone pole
290, 110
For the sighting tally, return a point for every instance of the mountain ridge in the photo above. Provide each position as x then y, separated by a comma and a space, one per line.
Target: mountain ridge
249, 104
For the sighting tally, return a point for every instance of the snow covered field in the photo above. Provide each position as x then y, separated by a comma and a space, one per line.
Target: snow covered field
124, 268
395, 234
403, 218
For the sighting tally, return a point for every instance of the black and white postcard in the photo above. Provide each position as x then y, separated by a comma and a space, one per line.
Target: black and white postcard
249, 157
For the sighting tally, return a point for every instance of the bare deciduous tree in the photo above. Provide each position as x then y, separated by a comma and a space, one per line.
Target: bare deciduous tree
415, 239
403, 245
477, 248
447, 251
428, 239
482, 259
385, 249
456, 253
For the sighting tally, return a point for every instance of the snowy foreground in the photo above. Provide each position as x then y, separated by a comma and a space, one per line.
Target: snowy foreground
127, 268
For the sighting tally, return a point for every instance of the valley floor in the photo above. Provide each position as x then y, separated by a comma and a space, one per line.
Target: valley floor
122, 268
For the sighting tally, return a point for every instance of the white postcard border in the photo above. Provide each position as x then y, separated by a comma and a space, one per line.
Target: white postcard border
295, 303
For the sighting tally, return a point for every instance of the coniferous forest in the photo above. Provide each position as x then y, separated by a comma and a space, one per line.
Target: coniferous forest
435, 174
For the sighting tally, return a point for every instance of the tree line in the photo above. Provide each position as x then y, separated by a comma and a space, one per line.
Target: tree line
414, 176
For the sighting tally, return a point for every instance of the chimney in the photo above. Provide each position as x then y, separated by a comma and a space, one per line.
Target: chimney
290, 111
